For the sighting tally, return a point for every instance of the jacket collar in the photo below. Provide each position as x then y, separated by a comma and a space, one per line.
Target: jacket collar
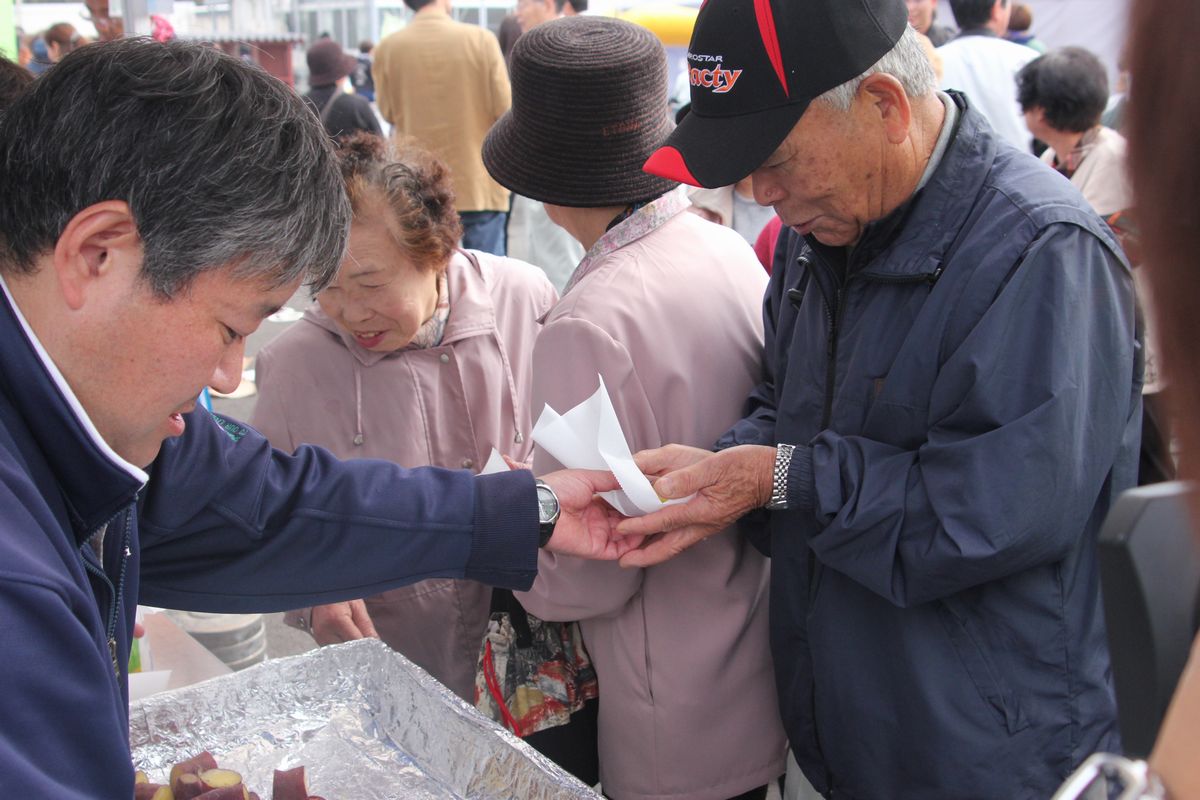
932, 218
94, 481
644, 221
472, 312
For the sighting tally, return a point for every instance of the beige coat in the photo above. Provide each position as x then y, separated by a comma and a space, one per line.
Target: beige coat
688, 707
446, 406
444, 83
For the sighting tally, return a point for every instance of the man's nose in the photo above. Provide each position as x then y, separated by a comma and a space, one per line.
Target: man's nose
228, 374
766, 190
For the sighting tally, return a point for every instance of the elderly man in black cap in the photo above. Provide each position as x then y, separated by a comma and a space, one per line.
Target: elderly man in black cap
950, 405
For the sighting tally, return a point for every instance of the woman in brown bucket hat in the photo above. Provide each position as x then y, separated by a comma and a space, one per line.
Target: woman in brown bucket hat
665, 307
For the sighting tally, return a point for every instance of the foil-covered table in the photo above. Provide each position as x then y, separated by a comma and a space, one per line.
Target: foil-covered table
364, 721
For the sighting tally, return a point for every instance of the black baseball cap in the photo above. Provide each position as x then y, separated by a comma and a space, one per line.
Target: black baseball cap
755, 65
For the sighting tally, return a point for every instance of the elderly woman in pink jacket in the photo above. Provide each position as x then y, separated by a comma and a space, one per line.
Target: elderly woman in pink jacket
666, 308
419, 353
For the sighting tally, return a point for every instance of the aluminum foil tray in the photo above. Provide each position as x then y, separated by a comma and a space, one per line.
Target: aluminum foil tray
364, 721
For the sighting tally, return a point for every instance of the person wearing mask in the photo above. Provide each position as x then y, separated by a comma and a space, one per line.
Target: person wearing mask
664, 309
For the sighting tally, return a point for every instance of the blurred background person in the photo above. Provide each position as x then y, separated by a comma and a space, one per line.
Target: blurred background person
444, 83
1020, 25
922, 15
983, 65
107, 27
1062, 95
340, 113
362, 78
666, 309
47, 49
1164, 164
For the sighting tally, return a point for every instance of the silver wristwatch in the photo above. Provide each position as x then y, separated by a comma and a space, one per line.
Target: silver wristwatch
783, 460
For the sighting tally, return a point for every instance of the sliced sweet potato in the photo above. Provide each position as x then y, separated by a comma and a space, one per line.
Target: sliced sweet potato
193, 766
187, 786
237, 792
289, 784
140, 777
219, 778
152, 791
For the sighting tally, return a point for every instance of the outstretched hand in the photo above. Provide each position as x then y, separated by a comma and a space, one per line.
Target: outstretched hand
587, 526
726, 485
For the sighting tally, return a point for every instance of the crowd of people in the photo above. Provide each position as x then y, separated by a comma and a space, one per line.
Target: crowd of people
873, 307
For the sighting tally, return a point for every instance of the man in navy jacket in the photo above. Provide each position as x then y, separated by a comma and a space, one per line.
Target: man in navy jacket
951, 403
172, 198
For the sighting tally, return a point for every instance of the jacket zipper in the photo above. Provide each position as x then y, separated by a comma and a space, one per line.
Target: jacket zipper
835, 316
114, 593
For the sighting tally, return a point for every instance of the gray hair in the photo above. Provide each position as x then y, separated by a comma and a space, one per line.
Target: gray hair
906, 62
221, 164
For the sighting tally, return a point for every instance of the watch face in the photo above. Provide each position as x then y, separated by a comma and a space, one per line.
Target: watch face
547, 504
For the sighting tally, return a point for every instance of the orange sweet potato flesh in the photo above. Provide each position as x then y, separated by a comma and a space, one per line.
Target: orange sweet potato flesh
219, 779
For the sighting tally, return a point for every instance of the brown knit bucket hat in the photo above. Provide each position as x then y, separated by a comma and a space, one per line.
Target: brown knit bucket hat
589, 107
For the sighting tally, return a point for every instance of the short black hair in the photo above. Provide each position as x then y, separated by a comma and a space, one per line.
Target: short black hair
417, 5
221, 164
1069, 84
972, 13
14, 79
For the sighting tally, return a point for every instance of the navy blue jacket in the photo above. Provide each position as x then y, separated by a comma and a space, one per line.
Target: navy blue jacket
224, 524
965, 397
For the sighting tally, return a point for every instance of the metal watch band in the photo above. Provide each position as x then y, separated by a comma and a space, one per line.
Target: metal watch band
783, 460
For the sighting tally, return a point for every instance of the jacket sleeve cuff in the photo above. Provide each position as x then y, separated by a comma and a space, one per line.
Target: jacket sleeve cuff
801, 487
505, 543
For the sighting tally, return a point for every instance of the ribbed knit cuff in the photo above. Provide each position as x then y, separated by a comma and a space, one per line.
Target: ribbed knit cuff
800, 485
505, 543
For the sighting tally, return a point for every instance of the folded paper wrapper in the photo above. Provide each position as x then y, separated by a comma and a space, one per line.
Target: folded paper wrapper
589, 436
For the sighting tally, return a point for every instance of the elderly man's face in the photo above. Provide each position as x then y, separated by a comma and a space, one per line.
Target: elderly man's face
920, 14
826, 177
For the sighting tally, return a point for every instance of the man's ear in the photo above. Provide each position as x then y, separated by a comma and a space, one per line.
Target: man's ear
95, 242
887, 101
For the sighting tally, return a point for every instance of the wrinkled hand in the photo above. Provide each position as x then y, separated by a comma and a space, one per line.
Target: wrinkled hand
726, 484
587, 525
656, 463
342, 622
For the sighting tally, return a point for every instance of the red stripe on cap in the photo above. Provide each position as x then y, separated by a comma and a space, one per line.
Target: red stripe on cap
667, 162
770, 39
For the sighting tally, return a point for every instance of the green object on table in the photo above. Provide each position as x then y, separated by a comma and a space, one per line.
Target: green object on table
8, 30
135, 652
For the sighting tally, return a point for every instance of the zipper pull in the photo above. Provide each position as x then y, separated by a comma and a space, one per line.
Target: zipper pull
112, 651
